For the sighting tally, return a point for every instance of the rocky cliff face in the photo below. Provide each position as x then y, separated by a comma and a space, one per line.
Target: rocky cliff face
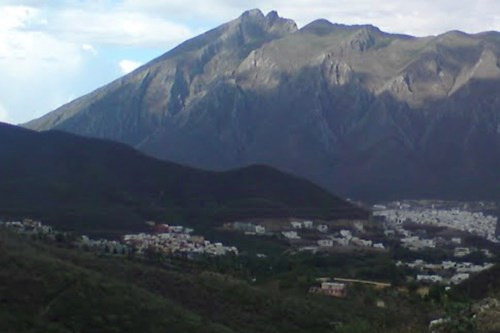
368, 114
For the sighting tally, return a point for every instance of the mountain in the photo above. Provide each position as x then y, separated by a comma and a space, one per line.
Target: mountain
94, 185
371, 115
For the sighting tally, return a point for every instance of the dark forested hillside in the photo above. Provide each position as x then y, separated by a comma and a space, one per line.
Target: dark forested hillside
96, 185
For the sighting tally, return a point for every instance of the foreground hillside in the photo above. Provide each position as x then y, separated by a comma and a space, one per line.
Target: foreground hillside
45, 288
94, 185
367, 114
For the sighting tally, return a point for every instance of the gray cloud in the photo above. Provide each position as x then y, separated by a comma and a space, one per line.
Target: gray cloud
417, 17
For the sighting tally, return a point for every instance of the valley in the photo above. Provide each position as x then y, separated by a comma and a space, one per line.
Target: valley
259, 177
375, 288
268, 232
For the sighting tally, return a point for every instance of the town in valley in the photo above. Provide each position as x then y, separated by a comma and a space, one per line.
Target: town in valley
465, 233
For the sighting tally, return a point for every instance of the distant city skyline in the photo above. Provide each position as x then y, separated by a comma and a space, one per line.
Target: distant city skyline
54, 51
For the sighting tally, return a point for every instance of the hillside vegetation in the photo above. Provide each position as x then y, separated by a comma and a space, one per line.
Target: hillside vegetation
95, 185
50, 288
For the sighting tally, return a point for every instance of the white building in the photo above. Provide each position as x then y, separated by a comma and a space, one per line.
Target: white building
322, 228
260, 229
448, 264
429, 278
460, 277
461, 251
340, 241
308, 224
346, 234
325, 242
291, 234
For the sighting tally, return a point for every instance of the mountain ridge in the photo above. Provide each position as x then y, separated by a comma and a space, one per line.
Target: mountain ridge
355, 109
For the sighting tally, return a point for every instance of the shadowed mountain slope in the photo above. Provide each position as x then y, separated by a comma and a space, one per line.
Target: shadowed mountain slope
94, 185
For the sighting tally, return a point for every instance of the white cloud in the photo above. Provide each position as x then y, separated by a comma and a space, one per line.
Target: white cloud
4, 116
89, 48
418, 17
117, 27
33, 63
16, 16
127, 66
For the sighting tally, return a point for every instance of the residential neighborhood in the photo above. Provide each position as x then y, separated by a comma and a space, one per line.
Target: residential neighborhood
176, 239
473, 222
164, 239
419, 227
28, 226
308, 235
317, 236
446, 272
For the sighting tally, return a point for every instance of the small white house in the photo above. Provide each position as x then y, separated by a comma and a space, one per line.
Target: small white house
322, 228
260, 229
308, 224
461, 251
325, 243
291, 234
429, 278
346, 234
448, 264
458, 278
341, 241
361, 242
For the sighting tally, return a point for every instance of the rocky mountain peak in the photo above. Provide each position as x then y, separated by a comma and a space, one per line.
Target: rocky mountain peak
364, 39
273, 15
271, 22
319, 27
351, 107
252, 14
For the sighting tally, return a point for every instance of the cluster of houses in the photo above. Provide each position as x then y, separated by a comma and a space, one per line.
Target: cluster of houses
104, 246
176, 240
346, 238
166, 239
36, 228
447, 272
415, 243
394, 220
295, 230
289, 231
475, 223
28, 226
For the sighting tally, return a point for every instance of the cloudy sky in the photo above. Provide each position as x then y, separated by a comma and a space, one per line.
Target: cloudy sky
52, 51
